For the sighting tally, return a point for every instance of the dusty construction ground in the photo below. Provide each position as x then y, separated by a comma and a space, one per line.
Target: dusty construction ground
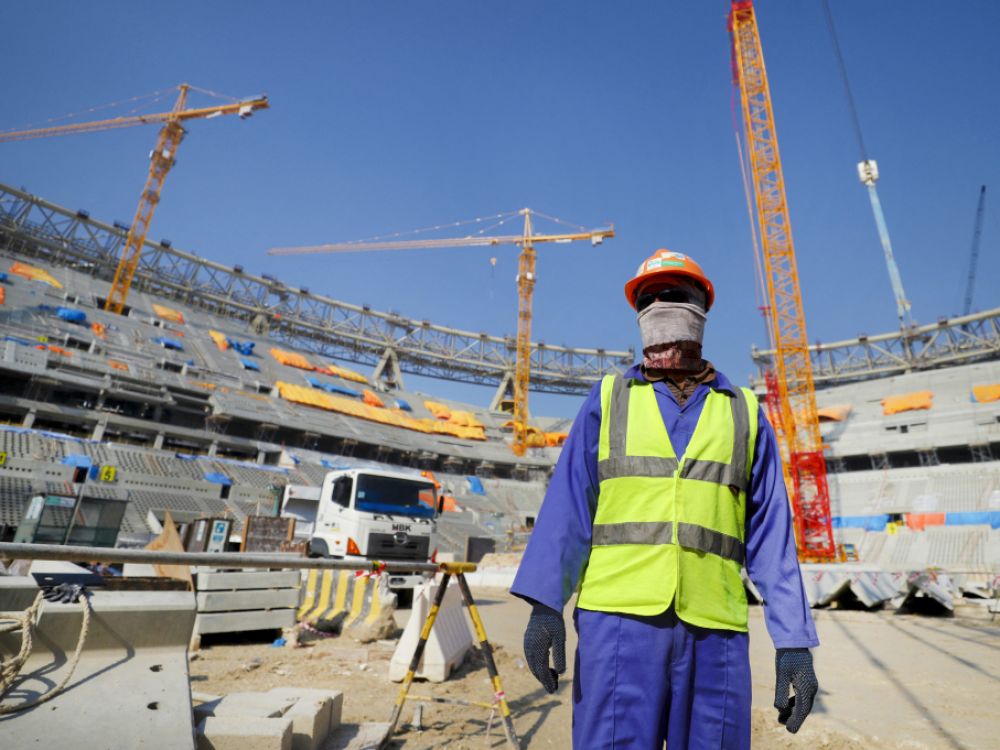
886, 681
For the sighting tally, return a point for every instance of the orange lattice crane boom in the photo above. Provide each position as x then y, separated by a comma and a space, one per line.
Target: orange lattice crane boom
798, 421
525, 289
163, 157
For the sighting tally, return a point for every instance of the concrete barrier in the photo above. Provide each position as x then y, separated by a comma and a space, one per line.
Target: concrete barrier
131, 686
342, 599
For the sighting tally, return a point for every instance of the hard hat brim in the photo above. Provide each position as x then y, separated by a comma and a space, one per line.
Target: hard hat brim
632, 286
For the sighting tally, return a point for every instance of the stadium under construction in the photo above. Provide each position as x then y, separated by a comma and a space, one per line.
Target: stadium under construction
911, 420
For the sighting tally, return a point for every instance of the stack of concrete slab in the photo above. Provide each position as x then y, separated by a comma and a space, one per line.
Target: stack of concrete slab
285, 718
237, 601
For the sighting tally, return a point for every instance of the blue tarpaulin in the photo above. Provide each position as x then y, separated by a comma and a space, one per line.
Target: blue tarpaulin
218, 478
400, 404
249, 364
992, 518
16, 340
869, 523
3, 277
475, 485
330, 388
168, 343
242, 347
70, 315
78, 460
332, 466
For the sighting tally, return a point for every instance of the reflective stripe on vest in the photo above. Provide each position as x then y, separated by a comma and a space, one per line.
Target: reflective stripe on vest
670, 530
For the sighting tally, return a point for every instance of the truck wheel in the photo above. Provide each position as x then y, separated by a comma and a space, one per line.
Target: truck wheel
317, 548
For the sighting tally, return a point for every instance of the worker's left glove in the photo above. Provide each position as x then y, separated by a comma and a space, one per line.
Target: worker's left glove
545, 632
794, 668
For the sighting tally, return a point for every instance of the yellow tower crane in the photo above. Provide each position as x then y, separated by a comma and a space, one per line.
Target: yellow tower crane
525, 288
163, 157
798, 422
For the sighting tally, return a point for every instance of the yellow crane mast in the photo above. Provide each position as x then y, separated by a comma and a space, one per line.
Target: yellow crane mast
796, 395
164, 156
525, 289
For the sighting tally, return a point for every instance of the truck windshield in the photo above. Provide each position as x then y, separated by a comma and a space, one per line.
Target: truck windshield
405, 497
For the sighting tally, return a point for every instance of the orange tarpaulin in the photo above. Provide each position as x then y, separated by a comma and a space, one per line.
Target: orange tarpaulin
553, 439
312, 397
3, 295
464, 419
98, 329
372, 400
440, 411
292, 359
343, 372
837, 413
919, 521
114, 364
984, 394
907, 402
34, 274
168, 313
219, 339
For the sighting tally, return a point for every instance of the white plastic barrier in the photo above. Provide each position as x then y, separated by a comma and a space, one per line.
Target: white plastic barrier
450, 639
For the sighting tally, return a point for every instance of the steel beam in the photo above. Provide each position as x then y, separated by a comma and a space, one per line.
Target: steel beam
33, 227
947, 343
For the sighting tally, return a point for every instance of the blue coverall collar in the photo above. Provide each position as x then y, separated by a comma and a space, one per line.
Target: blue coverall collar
719, 383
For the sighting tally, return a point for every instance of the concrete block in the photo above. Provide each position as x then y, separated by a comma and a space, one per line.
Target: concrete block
450, 639
229, 622
227, 601
310, 722
335, 697
260, 579
260, 705
243, 733
370, 736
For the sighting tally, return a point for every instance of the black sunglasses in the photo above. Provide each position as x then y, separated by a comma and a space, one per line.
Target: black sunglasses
664, 295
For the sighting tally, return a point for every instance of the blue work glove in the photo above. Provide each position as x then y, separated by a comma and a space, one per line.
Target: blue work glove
545, 632
794, 668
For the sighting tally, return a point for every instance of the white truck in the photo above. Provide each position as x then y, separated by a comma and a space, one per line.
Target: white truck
370, 514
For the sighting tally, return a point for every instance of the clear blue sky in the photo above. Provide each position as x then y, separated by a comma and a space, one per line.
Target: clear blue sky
391, 116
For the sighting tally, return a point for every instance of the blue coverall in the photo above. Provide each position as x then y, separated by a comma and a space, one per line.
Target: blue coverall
641, 681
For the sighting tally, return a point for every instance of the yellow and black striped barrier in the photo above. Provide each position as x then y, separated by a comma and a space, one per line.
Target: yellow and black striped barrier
340, 594
499, 697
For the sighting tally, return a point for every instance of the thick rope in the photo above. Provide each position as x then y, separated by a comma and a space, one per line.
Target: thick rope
26, 621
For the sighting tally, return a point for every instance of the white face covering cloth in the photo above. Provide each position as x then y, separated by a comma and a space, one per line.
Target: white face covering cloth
670, 323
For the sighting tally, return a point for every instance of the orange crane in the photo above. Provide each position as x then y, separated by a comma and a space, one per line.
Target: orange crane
797, 418
525, 287
163, 157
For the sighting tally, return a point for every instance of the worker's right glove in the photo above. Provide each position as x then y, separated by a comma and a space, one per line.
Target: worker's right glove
794, 667
545, 632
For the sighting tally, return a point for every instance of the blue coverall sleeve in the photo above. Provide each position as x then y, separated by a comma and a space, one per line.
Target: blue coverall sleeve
559, 546
771, 559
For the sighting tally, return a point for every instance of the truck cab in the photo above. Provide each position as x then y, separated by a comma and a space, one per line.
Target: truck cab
371, 514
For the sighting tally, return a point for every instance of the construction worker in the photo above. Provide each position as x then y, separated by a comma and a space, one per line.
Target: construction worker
669, 482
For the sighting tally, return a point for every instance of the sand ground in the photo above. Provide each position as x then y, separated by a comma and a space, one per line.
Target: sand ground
886, 681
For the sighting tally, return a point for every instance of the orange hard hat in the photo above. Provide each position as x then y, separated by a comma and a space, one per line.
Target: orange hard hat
663, 264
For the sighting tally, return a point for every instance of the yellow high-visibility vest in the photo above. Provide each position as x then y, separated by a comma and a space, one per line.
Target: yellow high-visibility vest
671, 530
